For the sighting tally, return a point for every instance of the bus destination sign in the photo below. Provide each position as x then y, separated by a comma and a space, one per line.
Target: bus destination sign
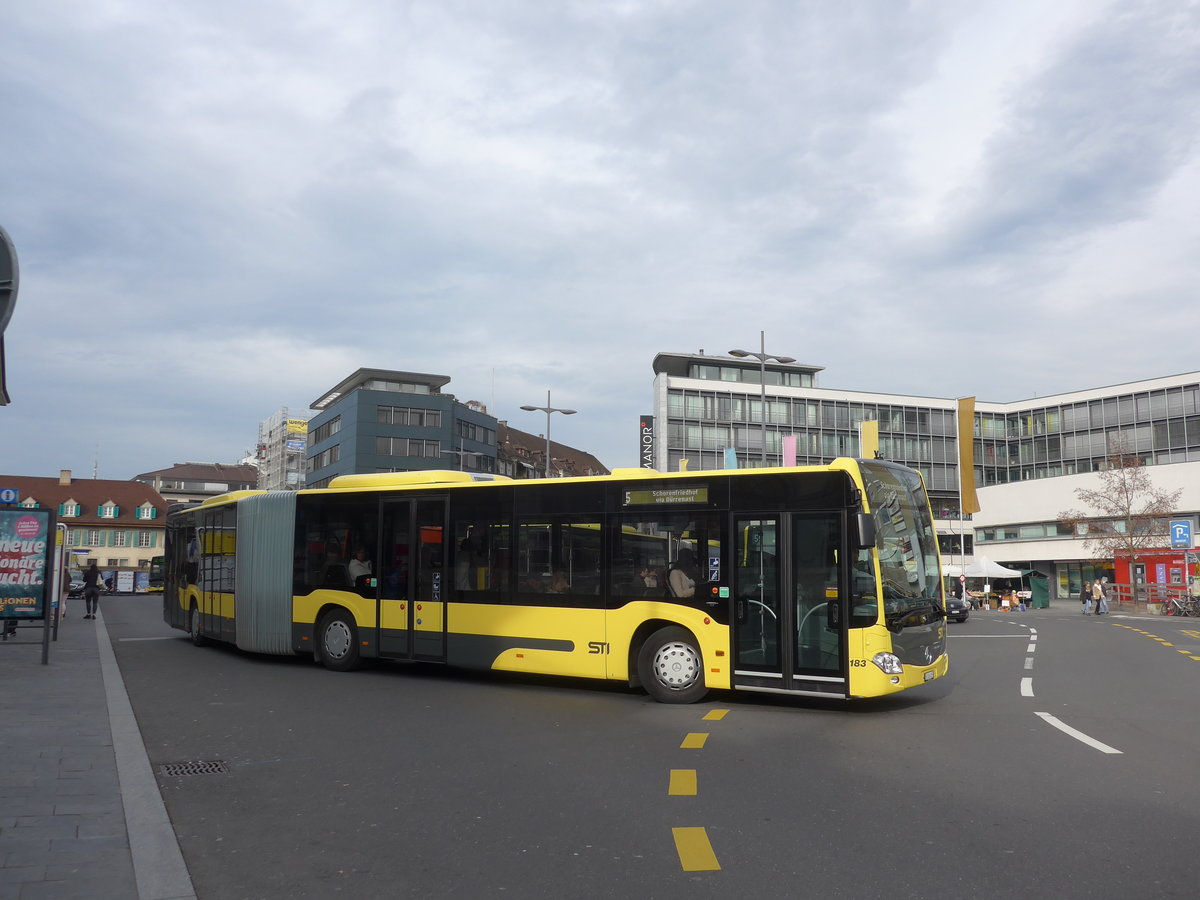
667, 496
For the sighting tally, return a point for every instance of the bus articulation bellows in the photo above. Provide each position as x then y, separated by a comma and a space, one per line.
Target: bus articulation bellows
821, 580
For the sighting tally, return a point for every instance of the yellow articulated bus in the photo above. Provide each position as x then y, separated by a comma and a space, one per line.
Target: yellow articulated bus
819, 581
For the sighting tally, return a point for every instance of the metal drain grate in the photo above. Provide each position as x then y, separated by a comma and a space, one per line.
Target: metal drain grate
200, 767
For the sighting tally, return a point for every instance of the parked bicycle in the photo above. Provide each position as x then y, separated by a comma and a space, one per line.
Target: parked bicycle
1173, 606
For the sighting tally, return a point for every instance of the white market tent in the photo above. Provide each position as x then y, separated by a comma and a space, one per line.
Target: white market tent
981, 568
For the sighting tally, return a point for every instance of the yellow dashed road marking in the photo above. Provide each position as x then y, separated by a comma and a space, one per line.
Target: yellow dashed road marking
694, 741
716, 715
683, 783
695, 852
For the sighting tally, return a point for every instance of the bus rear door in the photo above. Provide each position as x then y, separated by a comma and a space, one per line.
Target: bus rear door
412, 587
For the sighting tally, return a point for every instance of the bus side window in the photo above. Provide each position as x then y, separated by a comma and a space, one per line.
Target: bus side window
479, 557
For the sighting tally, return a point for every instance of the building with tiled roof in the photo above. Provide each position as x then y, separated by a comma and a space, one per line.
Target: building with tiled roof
119, 524
523, 455
192, 482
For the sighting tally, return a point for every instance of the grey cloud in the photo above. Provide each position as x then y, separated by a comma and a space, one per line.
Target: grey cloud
1092, 139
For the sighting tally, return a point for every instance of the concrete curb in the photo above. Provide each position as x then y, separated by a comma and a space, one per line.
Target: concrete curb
158, 862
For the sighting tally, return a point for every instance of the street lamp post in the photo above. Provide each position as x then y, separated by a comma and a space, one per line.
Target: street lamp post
762, 356
548, 409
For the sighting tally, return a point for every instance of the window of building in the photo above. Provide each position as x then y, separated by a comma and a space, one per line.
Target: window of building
119, 539
146, 539
410, 416
473, 432
93, 538
325, 458
109, 510
389, 446
711, 372
330, 428
396, 387
69, 509
956, 544
29, 503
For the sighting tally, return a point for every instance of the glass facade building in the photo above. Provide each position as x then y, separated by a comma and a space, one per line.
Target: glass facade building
707, 407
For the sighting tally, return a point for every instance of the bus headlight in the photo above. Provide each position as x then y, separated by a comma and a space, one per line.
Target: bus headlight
889, 663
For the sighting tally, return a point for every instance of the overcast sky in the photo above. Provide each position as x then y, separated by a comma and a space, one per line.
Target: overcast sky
225, 208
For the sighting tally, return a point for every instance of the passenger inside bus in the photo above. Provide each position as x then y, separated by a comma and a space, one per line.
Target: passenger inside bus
360, 566
682, 578
358, 571
558, 584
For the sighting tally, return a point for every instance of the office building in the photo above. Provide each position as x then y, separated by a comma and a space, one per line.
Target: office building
1030, 455
379, 420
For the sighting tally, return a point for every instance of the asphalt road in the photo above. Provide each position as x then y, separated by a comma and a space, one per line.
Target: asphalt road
1059, 759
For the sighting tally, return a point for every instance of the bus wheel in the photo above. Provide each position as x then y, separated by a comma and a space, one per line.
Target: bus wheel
337, 641
198, 640
671, 668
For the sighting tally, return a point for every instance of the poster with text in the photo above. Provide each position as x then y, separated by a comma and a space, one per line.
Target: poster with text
25, 554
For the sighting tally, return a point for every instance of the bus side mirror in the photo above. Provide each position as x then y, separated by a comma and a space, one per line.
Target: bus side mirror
865, 536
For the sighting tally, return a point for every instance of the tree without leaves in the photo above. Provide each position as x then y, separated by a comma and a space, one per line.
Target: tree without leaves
1128, 513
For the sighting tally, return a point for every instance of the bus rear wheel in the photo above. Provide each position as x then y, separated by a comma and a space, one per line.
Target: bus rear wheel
198, 640
671, 667
337, 641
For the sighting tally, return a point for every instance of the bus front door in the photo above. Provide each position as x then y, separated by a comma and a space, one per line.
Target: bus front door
412, 597
788, 623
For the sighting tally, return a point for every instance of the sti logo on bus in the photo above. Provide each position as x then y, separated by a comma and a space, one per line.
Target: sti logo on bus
597, 647
646, 448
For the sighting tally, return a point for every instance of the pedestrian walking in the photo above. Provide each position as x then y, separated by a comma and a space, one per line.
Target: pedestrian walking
91, 589
1085, 597
1097, 595
1103, 608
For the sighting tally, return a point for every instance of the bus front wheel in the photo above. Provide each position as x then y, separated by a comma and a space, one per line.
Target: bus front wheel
671, 667
337, 641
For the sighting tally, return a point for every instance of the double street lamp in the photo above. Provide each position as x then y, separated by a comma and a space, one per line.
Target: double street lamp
548, 409
462, 454
762, 356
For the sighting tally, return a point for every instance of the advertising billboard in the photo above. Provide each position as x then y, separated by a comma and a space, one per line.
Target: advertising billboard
646, 442
26, 554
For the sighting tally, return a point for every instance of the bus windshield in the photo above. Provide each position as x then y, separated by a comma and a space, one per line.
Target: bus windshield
908, 560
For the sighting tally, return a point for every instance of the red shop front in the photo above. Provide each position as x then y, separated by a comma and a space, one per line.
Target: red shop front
1170, 568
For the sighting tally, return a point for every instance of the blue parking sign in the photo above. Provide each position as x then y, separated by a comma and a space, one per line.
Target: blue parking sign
1181, 534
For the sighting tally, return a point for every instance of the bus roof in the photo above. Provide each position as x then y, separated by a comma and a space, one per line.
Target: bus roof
434, 478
